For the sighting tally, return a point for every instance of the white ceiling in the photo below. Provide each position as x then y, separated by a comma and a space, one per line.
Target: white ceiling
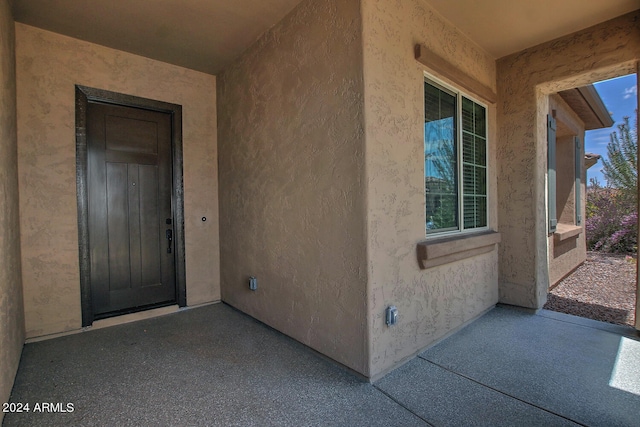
206, 35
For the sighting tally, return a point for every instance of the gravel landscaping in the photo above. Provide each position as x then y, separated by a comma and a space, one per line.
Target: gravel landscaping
603, 288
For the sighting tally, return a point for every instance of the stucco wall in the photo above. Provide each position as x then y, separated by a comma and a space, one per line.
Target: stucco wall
11, 307
291, 177
48, 67
430, 302
525, 80
568, 254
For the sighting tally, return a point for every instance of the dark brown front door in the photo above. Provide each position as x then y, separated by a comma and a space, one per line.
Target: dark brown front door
131, 247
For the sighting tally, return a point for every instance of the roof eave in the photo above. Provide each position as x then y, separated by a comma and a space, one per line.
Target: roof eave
591, 96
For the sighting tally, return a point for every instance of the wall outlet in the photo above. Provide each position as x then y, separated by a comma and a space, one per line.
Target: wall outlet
253, 283
391, 315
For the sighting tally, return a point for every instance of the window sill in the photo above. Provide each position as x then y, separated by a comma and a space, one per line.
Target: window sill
432, 253
566, 231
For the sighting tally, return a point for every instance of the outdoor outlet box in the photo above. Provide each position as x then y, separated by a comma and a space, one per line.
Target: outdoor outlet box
253, 283
391, 315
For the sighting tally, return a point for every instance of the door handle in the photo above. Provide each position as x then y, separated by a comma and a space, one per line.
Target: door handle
169, 239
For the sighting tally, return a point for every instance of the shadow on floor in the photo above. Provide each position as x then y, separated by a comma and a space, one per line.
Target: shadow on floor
216, 366
587, 310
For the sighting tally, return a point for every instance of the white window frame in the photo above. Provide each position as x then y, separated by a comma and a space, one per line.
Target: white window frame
459, 94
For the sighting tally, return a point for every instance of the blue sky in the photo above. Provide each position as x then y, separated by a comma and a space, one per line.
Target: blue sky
619, 96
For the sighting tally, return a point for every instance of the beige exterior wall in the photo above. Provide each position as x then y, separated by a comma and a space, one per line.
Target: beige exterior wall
525, 81
436, 301
48, 67
566, 255
11, 307
292, 197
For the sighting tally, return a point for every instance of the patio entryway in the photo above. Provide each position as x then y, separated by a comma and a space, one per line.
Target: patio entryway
216, 366
603, 289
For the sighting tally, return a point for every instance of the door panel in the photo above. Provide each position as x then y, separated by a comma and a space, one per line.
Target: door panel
130, 211
135, 246
117, 226
149, 262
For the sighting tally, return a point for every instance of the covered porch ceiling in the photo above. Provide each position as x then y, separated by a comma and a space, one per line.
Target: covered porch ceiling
206, 35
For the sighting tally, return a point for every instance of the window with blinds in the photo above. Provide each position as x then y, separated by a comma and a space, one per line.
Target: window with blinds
455, 152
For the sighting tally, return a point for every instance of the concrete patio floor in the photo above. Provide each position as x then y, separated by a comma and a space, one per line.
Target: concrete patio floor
216, 366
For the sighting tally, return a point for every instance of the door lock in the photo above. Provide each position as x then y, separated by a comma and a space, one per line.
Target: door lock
169, 239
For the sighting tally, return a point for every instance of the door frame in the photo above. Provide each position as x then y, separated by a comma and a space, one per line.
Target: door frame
84, 95
637, 325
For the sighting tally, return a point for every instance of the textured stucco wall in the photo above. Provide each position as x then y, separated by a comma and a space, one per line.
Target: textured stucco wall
291, 176
48, 67
11, 307
436, 301
525, 81
567, 255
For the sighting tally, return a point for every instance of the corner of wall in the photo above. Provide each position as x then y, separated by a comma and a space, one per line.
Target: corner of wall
12, 330
291, 150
